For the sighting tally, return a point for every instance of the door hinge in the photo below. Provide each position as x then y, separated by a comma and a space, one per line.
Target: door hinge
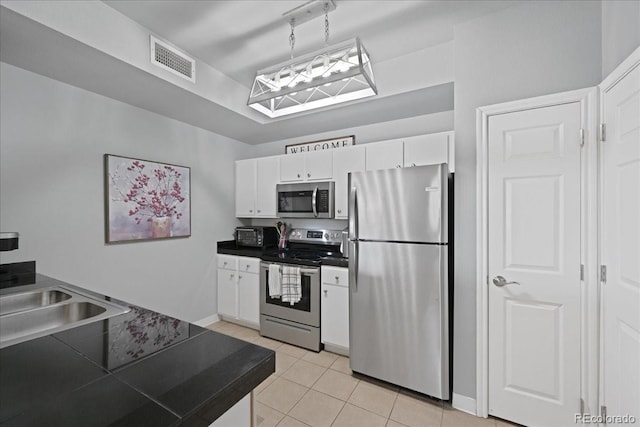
603, 132
603, 414
603, 273
581, 137
581, 271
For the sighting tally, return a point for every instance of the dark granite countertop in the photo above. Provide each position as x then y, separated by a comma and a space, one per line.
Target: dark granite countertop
141, 368
229, 247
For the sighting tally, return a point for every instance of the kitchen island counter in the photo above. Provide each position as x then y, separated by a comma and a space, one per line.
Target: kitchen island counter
141, 368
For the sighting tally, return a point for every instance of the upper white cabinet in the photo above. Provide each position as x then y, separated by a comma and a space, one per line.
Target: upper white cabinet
412, 151
268, 176
429, 150
384, 155
345, 160
246, 175
312, 166
256, 181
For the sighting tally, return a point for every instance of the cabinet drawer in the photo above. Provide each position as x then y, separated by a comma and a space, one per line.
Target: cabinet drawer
249, 265
337, 276
227, 262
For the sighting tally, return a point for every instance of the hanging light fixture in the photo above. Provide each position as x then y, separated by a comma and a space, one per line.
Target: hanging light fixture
331, 75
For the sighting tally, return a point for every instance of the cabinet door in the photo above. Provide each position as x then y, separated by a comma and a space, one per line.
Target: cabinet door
227, 293
249, 297
292, 167
345, 160
318, 165
426, 149
245, 187
384, 155
268, 171
334, 326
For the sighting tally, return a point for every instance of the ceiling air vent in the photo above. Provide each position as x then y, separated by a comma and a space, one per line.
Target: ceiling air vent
171, 59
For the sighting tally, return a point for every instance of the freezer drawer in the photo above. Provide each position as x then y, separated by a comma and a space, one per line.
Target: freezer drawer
398, 315
402, 205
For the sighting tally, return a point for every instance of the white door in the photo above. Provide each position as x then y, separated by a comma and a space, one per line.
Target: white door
345, 160
384, 155
249, 297
620, 246
227, 293
245, 187
534, 240
292, 167
426, 149
318, 165
268, 172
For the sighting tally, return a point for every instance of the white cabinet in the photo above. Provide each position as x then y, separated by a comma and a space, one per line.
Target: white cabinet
256, 181
227, 293
268, 171
345, 160
334, 308
239, 289
312, 166
417, 150
384, 155
429, 150
318, 165
246, 175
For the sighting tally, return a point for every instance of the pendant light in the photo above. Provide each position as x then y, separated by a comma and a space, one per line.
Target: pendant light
331, 75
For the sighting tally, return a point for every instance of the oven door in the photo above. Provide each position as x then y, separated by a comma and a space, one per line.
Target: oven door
306, 200
305, 311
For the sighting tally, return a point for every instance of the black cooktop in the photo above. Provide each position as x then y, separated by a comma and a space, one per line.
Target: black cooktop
304, 254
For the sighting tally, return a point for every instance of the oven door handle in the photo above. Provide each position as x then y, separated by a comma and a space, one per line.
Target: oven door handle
313, 201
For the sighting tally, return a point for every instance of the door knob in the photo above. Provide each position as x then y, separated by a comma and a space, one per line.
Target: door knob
500, 281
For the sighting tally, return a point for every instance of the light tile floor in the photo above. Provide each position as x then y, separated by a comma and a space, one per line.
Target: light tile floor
319, 389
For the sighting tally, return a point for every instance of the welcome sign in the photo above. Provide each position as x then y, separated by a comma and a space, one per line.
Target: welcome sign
323, 144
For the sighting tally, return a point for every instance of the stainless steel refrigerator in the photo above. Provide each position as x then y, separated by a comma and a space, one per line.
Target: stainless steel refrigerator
398, 268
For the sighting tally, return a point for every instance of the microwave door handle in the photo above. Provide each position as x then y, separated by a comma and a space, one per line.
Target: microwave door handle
313, 202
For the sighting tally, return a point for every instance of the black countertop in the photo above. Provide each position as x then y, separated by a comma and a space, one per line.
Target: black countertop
229, 247
141, 368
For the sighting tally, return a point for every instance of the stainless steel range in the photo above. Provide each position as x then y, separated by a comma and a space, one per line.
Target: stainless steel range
298, 323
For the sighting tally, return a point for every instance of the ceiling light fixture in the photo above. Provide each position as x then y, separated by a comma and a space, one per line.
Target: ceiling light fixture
337, 73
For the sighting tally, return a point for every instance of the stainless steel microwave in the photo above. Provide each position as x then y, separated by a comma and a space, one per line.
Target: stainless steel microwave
305, 200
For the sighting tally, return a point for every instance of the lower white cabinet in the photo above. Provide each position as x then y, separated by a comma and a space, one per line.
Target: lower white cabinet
334, 309
239, 289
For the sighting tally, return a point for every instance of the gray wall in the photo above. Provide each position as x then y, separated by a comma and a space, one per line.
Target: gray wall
52, 138
620, 32
531, 49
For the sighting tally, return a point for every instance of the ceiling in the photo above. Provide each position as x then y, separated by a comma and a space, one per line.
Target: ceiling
240, 37
236, 38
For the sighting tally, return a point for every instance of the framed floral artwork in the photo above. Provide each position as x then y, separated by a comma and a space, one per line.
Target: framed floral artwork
145, 200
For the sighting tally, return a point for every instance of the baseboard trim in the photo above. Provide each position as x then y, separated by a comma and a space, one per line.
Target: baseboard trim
207, 320
464, 403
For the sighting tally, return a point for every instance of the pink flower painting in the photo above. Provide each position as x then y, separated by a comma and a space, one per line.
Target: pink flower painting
146, 200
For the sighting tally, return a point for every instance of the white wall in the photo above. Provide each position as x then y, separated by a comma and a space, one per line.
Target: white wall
52, 139
620, 32
430, 123
527, 50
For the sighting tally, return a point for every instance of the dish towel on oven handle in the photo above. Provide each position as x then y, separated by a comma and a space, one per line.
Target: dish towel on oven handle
275, 281
291, 284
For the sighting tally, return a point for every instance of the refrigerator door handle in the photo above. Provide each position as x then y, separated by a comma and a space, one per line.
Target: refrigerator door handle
313, 201
353, 264
353, 214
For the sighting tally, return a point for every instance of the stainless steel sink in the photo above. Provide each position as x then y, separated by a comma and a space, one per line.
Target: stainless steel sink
26, 300
28, 315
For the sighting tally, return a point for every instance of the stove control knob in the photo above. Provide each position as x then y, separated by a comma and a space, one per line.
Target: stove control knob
326, 236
